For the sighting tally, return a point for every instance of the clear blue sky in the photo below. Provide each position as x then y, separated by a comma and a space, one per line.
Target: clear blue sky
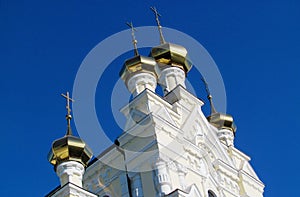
255, 44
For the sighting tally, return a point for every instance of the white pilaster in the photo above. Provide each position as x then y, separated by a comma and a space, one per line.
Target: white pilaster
139, 82
182, 171
70, 172
163, 183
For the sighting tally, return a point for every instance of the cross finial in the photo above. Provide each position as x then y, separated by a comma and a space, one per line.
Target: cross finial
68, 116
134, 41
209, 96
157, 15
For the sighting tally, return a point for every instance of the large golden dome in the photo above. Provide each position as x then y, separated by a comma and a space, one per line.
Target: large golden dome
169, 54
138, 64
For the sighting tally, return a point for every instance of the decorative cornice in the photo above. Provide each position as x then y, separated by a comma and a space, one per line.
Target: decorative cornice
72, 190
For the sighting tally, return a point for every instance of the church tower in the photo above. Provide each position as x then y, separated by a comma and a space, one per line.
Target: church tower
69, 155
168, 146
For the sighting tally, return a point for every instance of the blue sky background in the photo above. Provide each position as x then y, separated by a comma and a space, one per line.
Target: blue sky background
255, 44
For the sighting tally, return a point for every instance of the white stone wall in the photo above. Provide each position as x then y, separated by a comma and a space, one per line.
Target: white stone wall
187, 158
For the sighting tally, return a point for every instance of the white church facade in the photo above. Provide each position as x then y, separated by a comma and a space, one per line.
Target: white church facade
168, 147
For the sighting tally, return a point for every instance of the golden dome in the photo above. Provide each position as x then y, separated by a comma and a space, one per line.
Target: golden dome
219, 120
168, 54
222, 121
69, 148
137, 64
173, 55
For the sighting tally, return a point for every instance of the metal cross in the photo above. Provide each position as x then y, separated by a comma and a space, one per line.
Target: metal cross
68, 99
68, 116
134, 41
209, 96
206, 86
157, 15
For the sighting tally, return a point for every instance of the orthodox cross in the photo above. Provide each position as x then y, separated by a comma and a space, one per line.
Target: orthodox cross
209, 96
68, 116
134, 41
157, 15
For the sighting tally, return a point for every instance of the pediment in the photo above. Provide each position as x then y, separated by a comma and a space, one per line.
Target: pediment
147, 103
191, 191
195, 125
199, 132
249, 170
165, 115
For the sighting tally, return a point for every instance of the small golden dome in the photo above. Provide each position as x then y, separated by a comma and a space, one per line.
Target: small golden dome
222, 121
219, 120
137, 64
173, 55
69, 148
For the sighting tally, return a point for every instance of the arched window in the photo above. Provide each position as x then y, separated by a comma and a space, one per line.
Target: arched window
211, 194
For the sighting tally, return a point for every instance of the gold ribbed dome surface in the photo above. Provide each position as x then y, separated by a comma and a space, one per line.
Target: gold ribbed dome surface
173, 55
137, 64
69, 148
222, 121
